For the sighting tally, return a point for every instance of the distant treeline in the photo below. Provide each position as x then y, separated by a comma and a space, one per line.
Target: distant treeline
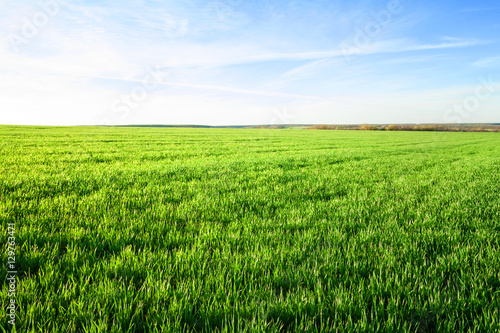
180, 126
364, 127
412, 127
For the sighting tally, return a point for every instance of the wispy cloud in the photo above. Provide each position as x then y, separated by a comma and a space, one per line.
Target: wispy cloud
488, 62
479, 9
219, 88
448, 45
397, 46
392, 46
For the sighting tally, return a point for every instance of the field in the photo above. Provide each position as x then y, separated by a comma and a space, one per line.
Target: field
249, 230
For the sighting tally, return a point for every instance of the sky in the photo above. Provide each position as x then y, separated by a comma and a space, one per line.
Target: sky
235, 62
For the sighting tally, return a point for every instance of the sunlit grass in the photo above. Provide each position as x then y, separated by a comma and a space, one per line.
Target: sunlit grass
168, 230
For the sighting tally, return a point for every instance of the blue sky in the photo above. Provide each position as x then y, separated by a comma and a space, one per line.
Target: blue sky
227, 62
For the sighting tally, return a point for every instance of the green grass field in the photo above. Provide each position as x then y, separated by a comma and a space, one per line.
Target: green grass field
225, 230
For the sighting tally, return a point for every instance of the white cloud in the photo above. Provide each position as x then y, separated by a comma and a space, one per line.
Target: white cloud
336, 58
480, 9
488, 62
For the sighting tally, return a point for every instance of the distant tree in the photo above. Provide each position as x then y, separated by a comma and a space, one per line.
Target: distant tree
366, 127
